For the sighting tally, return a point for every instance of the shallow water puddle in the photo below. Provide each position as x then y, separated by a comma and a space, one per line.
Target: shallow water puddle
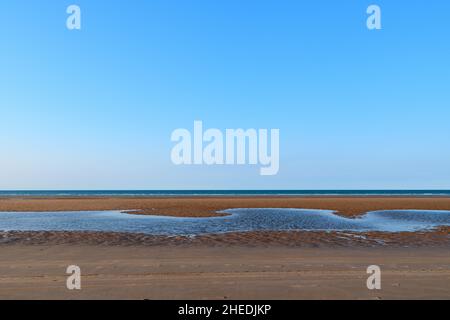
238, 220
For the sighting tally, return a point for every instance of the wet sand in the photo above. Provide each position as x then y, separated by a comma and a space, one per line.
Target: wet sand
38, 272
298, 239
208, 206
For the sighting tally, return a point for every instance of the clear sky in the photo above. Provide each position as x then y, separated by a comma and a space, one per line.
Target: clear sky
95, 108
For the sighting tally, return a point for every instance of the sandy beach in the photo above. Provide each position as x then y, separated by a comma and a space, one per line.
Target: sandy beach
37, 272
208, 206
242, 265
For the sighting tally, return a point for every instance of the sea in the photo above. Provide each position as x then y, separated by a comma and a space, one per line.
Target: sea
203, 193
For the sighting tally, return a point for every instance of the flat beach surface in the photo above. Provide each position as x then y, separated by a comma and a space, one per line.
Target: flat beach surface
208, 206
38, 272
247, 265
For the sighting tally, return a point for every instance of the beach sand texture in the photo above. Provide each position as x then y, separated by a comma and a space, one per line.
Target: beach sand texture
208, 206
38, 272
252, 265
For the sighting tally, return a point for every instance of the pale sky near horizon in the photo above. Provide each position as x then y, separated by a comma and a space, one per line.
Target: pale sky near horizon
95, 108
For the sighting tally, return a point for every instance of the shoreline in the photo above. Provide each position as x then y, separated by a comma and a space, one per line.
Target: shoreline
209, 206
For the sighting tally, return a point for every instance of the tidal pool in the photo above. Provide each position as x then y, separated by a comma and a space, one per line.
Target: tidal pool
239, 220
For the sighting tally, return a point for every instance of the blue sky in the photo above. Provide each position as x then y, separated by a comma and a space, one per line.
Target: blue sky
95, 108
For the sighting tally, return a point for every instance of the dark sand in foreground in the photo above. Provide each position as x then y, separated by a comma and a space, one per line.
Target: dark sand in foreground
38, 272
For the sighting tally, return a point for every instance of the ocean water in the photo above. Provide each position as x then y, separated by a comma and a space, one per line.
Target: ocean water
173, 193
239, 220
